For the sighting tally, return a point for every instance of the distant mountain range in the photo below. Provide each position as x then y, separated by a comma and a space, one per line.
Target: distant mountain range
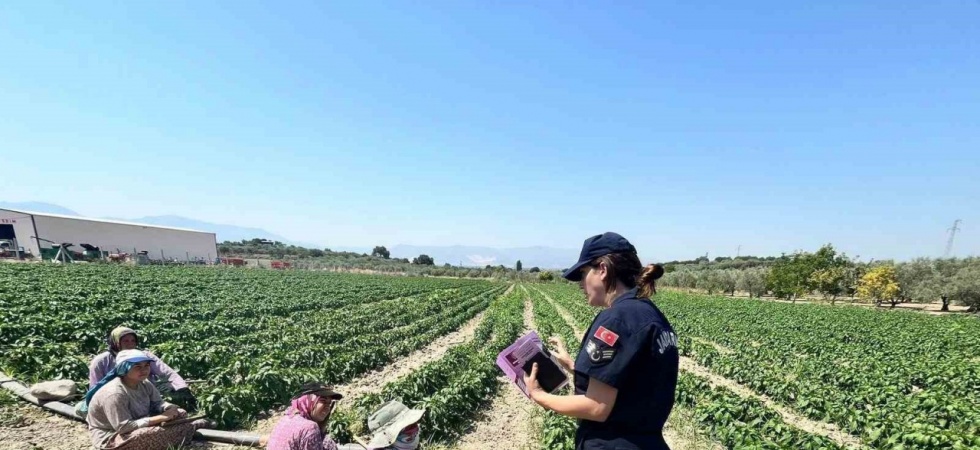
472, 256
543, 257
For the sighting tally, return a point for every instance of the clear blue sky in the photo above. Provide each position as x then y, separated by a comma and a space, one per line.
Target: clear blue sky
689, 127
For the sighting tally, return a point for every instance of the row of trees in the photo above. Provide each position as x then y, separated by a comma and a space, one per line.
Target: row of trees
278, 250
833, 275
379, 260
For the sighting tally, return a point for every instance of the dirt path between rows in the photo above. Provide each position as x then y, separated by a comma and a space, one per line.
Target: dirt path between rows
679, 434
563, 313
508, 422
721, 348
37, 429
374, 381
824, 429
827, 430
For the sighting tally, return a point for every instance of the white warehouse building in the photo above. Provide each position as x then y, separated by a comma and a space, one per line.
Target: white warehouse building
33, 231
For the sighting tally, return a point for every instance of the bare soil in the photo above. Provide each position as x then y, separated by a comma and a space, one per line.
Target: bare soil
931, 308
564, 314
374, 381
28, 427
34, 428
509, 421
827, 430
681, 431
721, 348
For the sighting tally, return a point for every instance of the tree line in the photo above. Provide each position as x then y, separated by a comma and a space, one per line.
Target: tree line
379, 260
833, 275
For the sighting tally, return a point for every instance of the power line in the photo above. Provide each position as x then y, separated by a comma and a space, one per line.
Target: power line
952, 235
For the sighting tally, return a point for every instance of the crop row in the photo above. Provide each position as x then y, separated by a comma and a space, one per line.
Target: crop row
894, 379
557, 431
452, 388
252, 336
733, 421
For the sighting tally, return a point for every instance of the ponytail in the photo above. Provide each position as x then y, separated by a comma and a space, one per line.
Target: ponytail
626, 268
647, 280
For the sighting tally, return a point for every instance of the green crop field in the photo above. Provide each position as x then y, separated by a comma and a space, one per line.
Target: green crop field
888, 380
892, 379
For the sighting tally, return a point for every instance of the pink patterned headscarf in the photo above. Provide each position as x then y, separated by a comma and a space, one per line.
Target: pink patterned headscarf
303, 405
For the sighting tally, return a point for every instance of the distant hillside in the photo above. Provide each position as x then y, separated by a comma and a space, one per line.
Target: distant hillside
474, 256
224, 232
39, 207
469, 256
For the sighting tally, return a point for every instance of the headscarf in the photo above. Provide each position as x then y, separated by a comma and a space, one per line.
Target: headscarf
125, 361
115, 336
303, 405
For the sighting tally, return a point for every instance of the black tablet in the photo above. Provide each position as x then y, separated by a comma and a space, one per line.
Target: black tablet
550, 376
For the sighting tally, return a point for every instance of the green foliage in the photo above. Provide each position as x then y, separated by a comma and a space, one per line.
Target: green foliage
546, 276
518, 267
10, 415
893, 379
830, 281
802, 273
423, 260
879, 284
254, 335
453, 388
558, 432
964, 287
734, 421
381, 252
753, 281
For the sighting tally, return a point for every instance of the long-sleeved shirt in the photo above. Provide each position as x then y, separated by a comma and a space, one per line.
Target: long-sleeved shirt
116, 409
294, 432
159, 371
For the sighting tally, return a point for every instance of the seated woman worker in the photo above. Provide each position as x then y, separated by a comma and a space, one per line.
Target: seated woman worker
303, 425
126, 411
166, 379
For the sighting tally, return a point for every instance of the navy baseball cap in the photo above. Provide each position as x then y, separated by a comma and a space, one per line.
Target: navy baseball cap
594, 247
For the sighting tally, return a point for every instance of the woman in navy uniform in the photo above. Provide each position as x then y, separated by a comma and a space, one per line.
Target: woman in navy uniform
626, 370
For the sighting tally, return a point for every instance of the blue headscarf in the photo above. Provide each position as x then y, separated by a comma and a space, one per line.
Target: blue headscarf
125, 361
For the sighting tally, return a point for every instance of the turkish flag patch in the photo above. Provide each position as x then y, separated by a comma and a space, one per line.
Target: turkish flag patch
606, 336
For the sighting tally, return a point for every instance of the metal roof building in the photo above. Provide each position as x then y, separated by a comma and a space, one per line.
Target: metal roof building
33, 231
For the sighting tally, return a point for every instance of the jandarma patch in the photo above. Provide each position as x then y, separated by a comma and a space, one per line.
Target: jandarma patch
666, 341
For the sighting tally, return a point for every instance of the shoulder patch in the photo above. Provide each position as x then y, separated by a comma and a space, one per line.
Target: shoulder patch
605, 335
599, 355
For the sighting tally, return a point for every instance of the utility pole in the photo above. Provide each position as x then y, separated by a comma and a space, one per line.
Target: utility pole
952, 235
739, 251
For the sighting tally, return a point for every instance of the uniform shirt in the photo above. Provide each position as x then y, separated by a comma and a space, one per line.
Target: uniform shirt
632, 347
